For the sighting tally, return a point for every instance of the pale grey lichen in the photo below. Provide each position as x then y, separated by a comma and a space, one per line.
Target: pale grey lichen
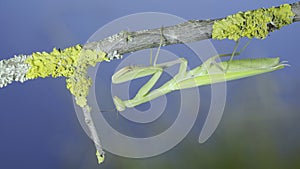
13, 69
114, 55
120, 35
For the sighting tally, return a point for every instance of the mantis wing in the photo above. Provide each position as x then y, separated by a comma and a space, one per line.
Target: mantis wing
238, 69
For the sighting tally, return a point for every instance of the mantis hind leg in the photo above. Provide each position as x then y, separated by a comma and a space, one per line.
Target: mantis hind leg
212, 60
234, 51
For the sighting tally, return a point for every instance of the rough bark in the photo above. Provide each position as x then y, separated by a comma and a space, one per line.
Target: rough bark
190, 31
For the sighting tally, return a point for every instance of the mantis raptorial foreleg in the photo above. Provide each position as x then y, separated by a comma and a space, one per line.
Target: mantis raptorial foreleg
133, 72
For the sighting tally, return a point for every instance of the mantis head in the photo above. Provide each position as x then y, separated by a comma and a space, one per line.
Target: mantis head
120, 106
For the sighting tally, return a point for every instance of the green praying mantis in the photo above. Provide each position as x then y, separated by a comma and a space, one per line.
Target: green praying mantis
208, 73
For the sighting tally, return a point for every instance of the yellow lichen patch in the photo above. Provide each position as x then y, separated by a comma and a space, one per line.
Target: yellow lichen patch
253, 24
71, 63
79, 83
100, 157
56, 63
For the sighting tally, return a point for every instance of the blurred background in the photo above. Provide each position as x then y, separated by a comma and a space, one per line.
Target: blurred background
39, 127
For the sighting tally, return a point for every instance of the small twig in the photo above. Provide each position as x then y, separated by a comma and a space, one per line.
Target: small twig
93, 131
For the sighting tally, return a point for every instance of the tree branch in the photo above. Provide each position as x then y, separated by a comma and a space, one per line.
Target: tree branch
15, 69
296, 10
190, 31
